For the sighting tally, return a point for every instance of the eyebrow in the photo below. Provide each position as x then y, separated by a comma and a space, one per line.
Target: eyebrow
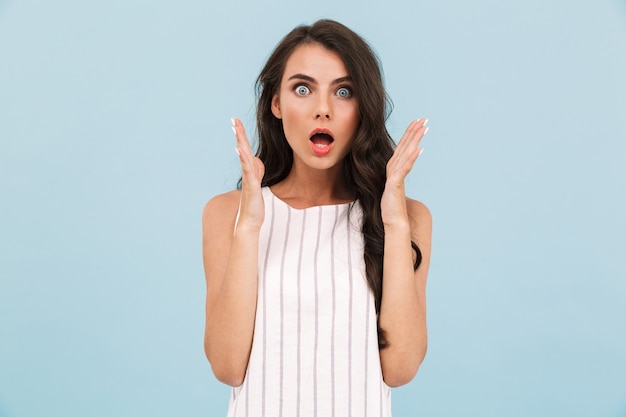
313, 81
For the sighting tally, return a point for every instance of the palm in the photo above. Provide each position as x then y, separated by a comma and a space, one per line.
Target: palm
393, 202
252, 208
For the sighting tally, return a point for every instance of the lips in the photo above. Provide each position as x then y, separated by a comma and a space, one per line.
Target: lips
321, 140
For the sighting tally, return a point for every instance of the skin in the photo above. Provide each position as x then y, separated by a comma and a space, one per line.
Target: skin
230, 255
323, 75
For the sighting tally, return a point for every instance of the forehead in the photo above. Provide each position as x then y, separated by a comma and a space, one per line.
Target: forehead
315, 61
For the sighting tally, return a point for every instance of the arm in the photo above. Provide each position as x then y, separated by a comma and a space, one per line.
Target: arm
403, 306
230, 264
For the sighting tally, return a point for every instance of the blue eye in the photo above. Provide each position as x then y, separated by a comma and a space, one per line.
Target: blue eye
344, 92
302, 90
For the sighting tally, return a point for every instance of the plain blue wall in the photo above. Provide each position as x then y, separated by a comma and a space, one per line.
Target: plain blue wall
114, 132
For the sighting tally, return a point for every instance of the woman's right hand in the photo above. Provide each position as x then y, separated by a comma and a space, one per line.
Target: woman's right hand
251, 207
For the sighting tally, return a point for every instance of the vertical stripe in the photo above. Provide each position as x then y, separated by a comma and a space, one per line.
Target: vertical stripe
236, 403
267, 255
349, 320
299, 364
315, 279
332, 328
282, 314
388, 402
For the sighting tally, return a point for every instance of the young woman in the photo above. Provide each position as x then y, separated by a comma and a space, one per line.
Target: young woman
316, 267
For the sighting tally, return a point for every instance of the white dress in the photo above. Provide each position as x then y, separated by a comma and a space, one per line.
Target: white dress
315, 347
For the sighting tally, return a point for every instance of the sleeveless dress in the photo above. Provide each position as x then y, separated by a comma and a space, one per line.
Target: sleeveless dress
315, 345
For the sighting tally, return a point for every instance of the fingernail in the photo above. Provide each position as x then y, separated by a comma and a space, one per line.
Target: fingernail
232, 121
425, 121
420, 152
234, 131
426, 131
237, 150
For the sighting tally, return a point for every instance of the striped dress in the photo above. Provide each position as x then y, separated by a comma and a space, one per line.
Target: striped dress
315, 346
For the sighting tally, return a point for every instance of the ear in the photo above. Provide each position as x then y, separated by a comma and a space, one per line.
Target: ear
276, 107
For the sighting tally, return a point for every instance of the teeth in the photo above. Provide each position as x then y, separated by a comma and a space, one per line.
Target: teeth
321, 145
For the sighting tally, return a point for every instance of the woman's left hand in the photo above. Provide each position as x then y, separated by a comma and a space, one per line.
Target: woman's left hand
393, 202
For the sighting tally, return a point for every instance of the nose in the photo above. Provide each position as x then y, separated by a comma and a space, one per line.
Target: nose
323, 108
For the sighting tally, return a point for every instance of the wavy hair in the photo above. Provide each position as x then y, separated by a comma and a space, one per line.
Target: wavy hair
365, 165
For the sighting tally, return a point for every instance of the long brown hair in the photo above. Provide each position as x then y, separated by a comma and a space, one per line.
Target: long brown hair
365, 165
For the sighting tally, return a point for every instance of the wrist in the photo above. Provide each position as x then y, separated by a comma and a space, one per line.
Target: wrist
247, 229
399, 226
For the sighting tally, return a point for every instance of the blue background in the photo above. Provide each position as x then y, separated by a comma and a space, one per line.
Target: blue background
114, 132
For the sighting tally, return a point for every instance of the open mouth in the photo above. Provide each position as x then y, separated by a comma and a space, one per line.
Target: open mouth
321, 140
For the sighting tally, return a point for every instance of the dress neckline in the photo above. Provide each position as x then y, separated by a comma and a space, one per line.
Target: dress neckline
271, 193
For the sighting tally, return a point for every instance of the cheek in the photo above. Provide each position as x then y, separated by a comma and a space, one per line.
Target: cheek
349, 109
291, 122
352, 117
292, 115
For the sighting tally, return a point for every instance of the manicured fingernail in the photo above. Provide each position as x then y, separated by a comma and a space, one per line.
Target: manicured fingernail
232, 121
237, 150
420, 152
425, 121
234, 131
426, 131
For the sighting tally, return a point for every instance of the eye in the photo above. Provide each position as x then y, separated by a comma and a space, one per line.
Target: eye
302, 90
344, 92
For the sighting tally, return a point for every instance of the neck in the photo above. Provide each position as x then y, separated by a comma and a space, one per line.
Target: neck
306, 187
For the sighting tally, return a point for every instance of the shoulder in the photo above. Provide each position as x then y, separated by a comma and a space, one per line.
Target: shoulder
419, 218
223, 202
418, 211
221, 209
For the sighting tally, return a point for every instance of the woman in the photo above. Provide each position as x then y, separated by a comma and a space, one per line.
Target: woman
316, 268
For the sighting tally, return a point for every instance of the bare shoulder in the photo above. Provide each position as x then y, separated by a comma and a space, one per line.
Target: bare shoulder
222, 206
420, 219
219, 214
418, 211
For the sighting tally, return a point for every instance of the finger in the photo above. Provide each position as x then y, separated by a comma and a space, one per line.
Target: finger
246, 159
405, 137
409, 143
241, 138
248, 166
411, 130
407, 152
249, 163
412, 138
401, 170
414, 133
240, 134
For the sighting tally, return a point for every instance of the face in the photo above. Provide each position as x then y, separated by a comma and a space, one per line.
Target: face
319, 111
